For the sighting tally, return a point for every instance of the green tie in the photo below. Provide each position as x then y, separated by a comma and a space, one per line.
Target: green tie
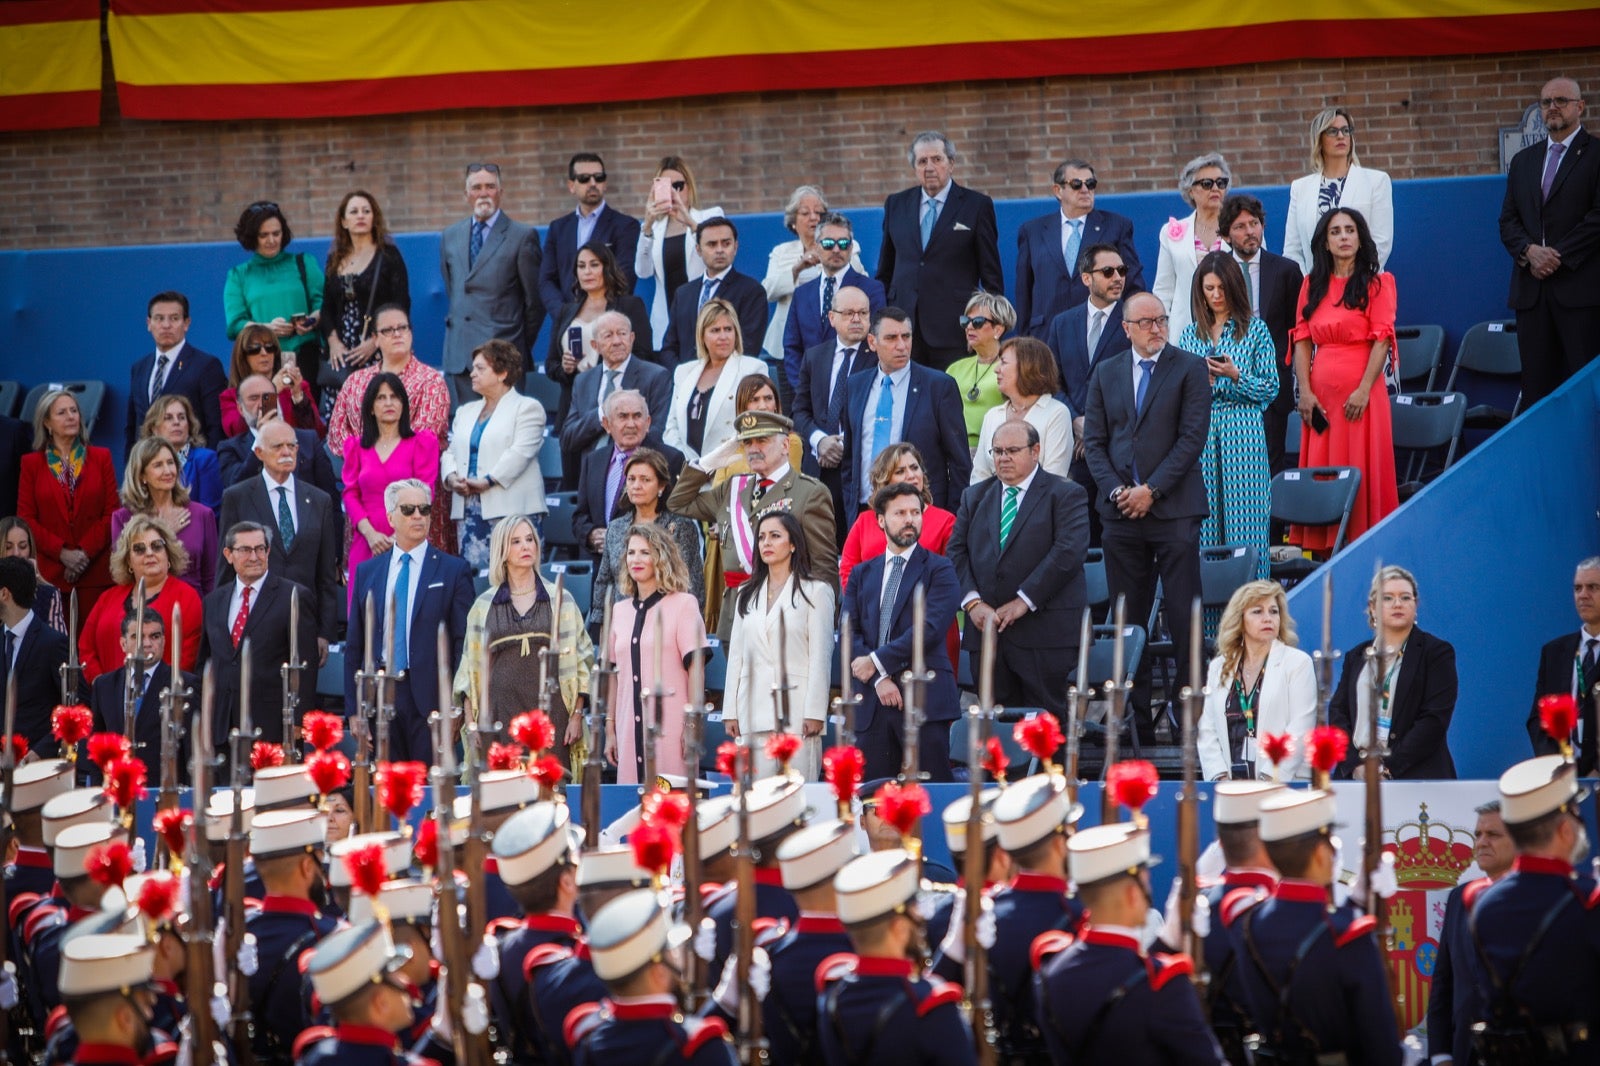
1008, 513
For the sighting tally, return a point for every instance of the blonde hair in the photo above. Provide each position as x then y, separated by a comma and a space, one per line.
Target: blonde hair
135, 493
671, 573
1321, 121
500, 544
1375, 594
1230, 631
158, 411
138, 525
41, 415
716, 308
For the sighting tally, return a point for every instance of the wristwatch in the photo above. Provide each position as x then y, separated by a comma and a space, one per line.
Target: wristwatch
1155, 493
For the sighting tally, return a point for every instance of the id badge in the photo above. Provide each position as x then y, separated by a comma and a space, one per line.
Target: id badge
1383, 731
1250, 752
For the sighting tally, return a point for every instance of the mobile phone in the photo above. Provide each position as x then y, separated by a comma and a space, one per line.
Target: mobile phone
575, 341
287, 361
661, 192
1319, 421
300, 319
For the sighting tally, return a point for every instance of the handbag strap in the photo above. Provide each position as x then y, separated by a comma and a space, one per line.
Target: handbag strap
305, 284
372, 294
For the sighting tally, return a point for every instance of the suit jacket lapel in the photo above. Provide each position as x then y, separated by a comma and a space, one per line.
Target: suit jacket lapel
1569, 161
908, 581
946, 222
491, 240
1162, 371
1030, 501
914, 399
266, 594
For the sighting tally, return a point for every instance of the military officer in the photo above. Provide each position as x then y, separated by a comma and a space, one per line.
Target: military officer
396, 862
503, 793
1247, 879
35, 785
356, 973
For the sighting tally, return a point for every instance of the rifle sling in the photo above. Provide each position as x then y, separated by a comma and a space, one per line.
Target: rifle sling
1284, 991
1504, 994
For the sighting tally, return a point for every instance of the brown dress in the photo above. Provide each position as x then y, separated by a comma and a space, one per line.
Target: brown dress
515, 641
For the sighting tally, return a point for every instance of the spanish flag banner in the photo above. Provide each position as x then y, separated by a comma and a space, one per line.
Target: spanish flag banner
232, 59
49, 64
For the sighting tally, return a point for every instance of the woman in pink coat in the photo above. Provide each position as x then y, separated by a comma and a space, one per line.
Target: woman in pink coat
387, 450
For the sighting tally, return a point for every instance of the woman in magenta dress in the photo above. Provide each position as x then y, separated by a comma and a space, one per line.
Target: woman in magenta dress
656, 608
1344, 337
388, 450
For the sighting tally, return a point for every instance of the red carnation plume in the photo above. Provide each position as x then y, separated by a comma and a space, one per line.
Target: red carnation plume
265, 754
400, 786
1558, 715
71, 724
1326, 746
505, 756
322, 730
1040, 736
842, 767
781, 747
1277, 748
995, 759
158, 897
19, 748
172, 826
728, 758
1132, 783
367, 869
426, 846
533, 731
109, 864
548, 771
665, 808
329, 771
125, 780
653, 847
903, 806
106, 748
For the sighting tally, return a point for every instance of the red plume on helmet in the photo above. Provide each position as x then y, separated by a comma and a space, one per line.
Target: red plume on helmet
653, 847
1558, 717
105, 748
665, 808
109, 863
322, 730
728, 759
367, 869
781, 747
400, 787
1040, 736
158, 898
1326, 747
172, 826
329, 771
426, 846
842, 768
995, 760
264, 754
124, 784
903, 806
70, 724
503, 756
548, 771
534, 731
1277, 748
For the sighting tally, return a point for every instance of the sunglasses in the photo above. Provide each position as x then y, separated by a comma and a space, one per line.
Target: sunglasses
590, 179
679, 186
257, 349
263, 205
493, 168
830, 243
153, 547
1109, 272
975, 321
1210, 183
1081, 183
410, 509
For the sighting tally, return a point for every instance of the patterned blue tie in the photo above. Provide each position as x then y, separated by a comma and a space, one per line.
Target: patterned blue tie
402, 614
1074, 240
476, 246
897, 568
827, 297
708, 289
285, 518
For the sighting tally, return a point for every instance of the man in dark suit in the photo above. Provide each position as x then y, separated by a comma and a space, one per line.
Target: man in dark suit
1273, 282
305, 525
1570, 665
1018, 550
254, 606
819, 400
16, 440
898, 400
428, 587
142, 636
237, 459
1454, 1005
593, 220
810, 320
176, 367
879, 603
1050, 249
627, 427
30, 650
718, 241
1550, 223
1148, 414
616, 370
1081, 336
940, 242
490, 265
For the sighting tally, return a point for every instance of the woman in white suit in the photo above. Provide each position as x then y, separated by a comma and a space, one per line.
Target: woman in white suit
491, 465
700, 416
1203, 184
666, 240
1258, 684
781, 597
1337, 179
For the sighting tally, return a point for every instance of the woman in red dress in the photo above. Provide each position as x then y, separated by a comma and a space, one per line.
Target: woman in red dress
1344, 337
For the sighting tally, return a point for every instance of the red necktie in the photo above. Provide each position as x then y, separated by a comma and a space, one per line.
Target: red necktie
242, 617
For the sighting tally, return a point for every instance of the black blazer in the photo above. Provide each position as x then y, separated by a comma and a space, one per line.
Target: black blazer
590, 511
267, 630
811, 400
581, 428
963, 254
444, 594
1047, 284
38, 673
1421, 707
1569, 222
1280, 290
1555, 678
106, 703
1043, 559
194, 374
558, 270
862, 601
312, 562
1069, 339
805, 328
748, 298
16, 440
237, 460
934, 422
1166, 438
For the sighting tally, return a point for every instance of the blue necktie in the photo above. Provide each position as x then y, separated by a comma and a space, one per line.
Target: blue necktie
827, 297
882, 431
1146, 368
1074, 240
897, 566
708, 289
402, 612
476, 246
930, 215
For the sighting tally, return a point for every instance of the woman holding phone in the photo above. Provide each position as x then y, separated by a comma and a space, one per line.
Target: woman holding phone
666, 243
364, 272
281, 292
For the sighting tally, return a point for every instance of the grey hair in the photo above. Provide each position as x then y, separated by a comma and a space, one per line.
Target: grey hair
926, 137
1491, 807
834, 218
1059, 176
617, 395
998, 307
791, 210
1194, 166
392, 491
1591, 563
232, 535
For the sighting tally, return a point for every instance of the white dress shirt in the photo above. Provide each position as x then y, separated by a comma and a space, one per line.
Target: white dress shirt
1022, 488
418, 554
17, 632
1137, 373
239, 585
1252, 269
890, 554
871, 445
839, 348
622, 372
172, 361
272, 498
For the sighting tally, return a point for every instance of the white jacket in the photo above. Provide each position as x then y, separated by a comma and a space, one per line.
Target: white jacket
1365, 190
507, 452
753, 657
719, 407
1288, 705
647, 263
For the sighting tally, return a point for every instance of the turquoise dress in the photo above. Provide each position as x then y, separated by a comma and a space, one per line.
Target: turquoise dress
1234, 462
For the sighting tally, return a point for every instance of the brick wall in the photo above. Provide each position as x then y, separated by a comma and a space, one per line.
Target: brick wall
132, 182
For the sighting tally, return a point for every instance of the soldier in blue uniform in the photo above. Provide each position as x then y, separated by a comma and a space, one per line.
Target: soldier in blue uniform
409, 905
1313, 974
34, 785
107, 986
638, 952
1033, 817
1536, 932
356, 975
48, 921
1247, 879
396, 861
996, 863
287, 923
1100, 996
503, 793
219, 824
1453, 1004
881, 836
876, 1006
777, 809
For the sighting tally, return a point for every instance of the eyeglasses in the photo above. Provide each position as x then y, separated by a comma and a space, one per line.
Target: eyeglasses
394, 331
1159, 322
679, 186
1556, 101
1006, 453
842, 313
249, 549
1109, 272
257, 349
410, 509
1399, 597
590, 179
1209, 183
1081, 183
148, 549
830, 243
975, 321
1340, 132
493, 168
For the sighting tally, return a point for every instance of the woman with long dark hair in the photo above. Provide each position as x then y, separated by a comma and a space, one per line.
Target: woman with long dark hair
365, 271
388, 450
1343, 339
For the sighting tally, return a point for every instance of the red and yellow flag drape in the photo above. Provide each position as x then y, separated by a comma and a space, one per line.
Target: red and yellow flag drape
49, 64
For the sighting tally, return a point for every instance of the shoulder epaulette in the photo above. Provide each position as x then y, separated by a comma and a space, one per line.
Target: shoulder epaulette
165, 1051
943, 992
304, 960
20, 905
54, 1022
833, 968
310, 1036
1169, 967
1238, 901
1356, 930
502, 925
544, 955
580, 1021
769, 930
700, 1032
45, 916
1048, 943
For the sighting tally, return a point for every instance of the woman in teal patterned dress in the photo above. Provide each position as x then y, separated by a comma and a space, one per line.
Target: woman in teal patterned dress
1239, 356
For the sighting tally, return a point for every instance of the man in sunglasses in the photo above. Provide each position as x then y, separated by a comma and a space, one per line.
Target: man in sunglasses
593, 220
1049, 249
810, 320
491, 269
175, 368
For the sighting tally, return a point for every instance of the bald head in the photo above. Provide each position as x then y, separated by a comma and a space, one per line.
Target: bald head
1144, 320
1561, 107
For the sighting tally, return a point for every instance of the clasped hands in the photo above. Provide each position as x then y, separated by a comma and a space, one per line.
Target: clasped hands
1542, 260
979, 613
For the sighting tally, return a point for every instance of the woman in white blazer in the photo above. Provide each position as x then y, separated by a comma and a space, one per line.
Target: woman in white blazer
492, 463
780, 597
700, 416
1337, 179
1203, 184
793, 263
667, 249
1258, 684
